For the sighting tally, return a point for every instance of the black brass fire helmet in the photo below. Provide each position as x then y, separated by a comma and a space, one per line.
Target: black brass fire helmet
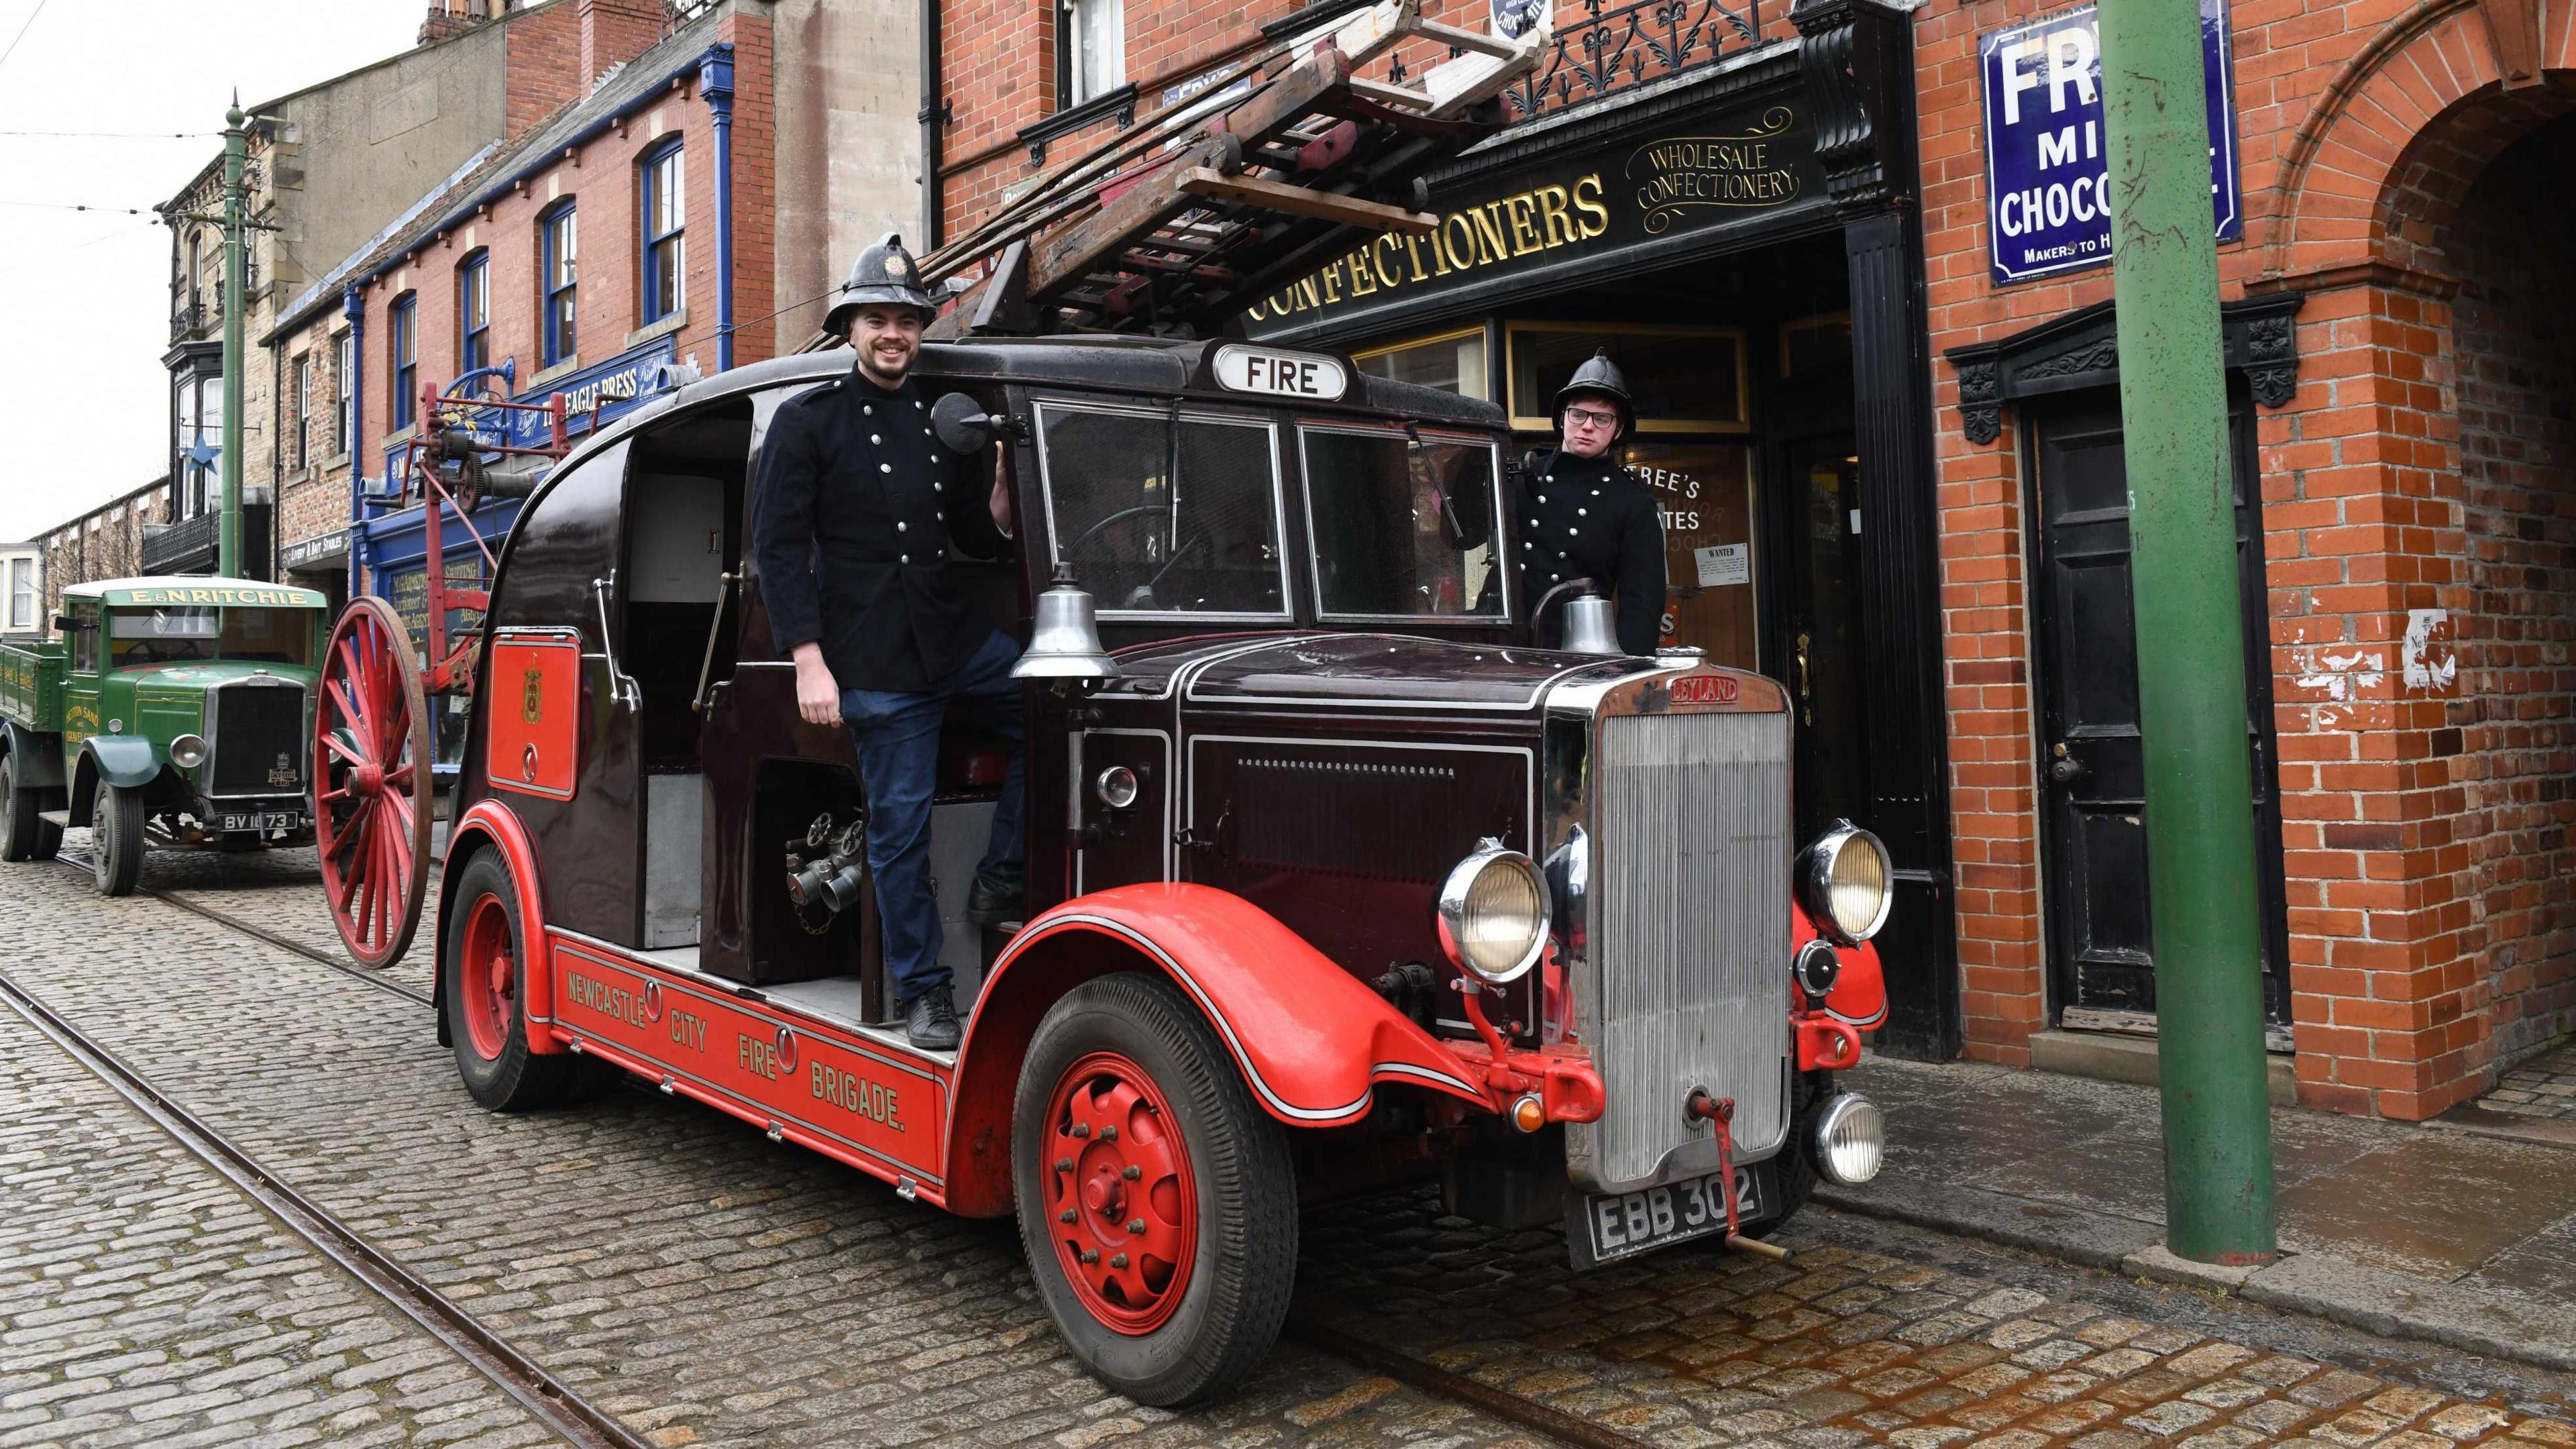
1600, 377
884, 274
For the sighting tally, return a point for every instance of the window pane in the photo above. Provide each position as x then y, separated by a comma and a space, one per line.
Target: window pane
1452, 364
1401, 530
1676, 377
1143, 540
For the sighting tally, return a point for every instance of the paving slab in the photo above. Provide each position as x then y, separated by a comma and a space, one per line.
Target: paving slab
2432, 1204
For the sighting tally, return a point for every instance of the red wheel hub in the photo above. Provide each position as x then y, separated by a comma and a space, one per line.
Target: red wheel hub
1122, 1202
488, 977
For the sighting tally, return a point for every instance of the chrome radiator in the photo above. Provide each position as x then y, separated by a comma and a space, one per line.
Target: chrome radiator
1690, 936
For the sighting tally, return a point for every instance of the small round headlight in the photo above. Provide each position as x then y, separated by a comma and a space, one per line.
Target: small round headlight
188, 752
1493, 914
1851, 1140
1845, 881
1116, 787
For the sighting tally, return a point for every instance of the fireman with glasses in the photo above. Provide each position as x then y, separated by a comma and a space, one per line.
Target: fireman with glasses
1583, 516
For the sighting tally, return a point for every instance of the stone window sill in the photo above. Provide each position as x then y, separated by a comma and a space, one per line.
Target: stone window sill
663, 328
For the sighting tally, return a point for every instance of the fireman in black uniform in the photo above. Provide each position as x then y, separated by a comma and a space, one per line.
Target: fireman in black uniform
857, 504
1583, 516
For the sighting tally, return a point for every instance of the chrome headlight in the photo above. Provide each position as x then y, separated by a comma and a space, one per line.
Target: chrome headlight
1851, 1140
1493, 913
1846, 883
188, 752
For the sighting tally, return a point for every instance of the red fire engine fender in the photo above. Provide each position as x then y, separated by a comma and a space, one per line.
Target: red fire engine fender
492, 823
1859, 997
1311, 1040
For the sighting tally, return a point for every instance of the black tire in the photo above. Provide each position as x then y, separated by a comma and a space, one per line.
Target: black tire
1793, 1170
1245, 1263
116, 840
23, 835
513, 1079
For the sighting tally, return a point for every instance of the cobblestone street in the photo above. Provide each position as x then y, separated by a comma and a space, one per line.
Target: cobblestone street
706, 1287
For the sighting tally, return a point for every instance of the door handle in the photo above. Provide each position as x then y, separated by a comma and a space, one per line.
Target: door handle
1806, 699
2066, 769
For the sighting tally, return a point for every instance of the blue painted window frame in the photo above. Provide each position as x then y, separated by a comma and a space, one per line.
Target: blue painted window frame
665, 276
559, 242
474, 313
402, 346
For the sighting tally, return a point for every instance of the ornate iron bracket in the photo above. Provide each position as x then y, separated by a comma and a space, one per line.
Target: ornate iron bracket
2081, 350
1597, 48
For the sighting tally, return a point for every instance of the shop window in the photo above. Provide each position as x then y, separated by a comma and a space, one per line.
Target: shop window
1092, 50
560, 239
474, 314
401, 350
1704, 490
1452, 362
1401, 526
1686, 379
665, 237
1816, 349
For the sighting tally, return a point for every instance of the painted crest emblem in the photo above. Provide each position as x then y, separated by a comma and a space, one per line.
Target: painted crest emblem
895, 266
532, 696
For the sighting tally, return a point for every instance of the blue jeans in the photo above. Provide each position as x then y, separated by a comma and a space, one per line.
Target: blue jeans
898, 739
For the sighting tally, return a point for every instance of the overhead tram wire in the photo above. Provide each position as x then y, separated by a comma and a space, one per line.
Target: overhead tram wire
22, 32
116, 135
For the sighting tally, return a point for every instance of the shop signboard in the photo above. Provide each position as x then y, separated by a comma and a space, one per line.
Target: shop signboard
592, 396
2048, 178
1641, 201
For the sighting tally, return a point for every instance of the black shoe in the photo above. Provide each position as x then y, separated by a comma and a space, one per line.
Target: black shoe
931, 1021
988, 904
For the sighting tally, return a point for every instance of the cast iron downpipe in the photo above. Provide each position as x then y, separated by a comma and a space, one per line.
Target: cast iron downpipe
715, 82
932, 117
354, 307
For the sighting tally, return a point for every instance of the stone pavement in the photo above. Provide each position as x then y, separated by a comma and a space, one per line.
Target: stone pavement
2424, 1231
710, 1288
2544, 1086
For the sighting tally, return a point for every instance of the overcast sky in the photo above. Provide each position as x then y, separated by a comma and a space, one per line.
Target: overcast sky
84, 299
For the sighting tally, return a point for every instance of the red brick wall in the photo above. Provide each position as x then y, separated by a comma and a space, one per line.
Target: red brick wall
544, 74
615, 30
2356, 146
755, 189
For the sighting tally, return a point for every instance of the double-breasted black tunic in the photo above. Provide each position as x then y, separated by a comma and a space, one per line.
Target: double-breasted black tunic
1589, 518
857, 502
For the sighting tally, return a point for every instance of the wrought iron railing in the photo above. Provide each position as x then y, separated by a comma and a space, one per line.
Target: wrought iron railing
170, 547
1598, 49
190, 321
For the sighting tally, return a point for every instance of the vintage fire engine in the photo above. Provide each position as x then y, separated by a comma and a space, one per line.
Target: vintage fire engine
1335, 883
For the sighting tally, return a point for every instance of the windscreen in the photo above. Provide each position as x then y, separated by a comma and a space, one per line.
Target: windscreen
162, 636
1403, 528
1165, 515
269, 636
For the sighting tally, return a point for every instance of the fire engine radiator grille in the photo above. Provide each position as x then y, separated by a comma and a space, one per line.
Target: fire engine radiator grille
1692, 946
254, 725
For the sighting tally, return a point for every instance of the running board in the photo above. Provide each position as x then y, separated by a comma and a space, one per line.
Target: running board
62, 818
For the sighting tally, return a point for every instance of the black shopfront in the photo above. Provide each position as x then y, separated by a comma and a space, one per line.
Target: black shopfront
1742, 237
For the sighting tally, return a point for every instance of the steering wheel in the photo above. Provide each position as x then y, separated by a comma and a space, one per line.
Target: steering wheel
1141, 510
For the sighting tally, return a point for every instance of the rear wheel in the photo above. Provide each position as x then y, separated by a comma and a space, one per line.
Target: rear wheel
116, 840
371, 787
484, 977
1156, 1200
23, 834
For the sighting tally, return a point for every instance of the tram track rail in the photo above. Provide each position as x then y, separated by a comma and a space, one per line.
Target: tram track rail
1331, 1332
546, 1398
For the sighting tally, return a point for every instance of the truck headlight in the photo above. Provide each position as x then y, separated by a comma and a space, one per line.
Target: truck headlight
1493, 913
1844, 882
188, 752
1851, 1140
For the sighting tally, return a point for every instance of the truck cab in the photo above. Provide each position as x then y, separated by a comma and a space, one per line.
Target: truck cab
171, 713
1336, 882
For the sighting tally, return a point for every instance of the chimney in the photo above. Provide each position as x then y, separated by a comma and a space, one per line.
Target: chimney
616, 30
450, 18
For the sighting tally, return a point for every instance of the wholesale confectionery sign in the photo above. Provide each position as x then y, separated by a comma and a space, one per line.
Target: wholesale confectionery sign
2048, 178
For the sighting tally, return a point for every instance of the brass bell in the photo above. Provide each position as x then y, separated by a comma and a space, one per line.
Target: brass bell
1065, 644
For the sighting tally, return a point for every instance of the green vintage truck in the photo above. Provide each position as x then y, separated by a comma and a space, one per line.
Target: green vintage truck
171, 712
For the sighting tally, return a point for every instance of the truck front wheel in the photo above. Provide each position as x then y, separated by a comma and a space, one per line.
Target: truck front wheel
116, 840
24, 835
1156, 1201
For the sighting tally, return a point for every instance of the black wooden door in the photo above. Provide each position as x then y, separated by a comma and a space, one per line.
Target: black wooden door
1819, 657
2092, 763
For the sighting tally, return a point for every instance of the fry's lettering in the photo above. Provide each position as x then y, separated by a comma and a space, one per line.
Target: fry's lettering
853, 1094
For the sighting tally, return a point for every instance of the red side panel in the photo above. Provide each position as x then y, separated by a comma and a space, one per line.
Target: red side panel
533, 721
1859, 997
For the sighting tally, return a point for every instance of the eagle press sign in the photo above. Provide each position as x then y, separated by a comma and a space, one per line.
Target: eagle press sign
2048, 177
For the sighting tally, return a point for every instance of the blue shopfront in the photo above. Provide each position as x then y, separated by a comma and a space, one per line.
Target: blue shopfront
391, 545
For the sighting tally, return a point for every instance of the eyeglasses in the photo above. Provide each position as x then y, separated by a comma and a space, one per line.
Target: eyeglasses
1577, 417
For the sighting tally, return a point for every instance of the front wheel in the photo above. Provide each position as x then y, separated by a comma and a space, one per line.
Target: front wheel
116, 840
24, 835
483, 976
1156, 1200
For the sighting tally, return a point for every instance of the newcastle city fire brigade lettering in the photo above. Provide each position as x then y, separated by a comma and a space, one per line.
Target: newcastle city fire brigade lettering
1684, 173
757, 1055
614, 1002
1525, 224
689, 1031
854, 1094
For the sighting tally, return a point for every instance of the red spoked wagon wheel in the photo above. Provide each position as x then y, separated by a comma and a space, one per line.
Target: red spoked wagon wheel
371, 782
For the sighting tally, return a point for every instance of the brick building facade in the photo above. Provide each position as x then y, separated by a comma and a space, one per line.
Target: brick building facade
1922, 449
104, 543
